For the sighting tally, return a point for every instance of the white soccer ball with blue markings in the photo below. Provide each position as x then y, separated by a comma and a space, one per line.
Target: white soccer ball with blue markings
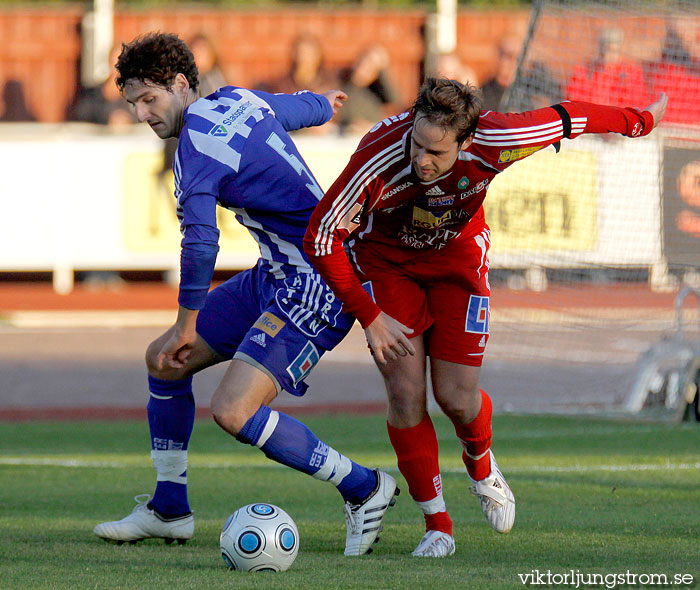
259, 537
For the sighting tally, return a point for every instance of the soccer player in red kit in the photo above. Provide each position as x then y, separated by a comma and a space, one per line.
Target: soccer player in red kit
402, 241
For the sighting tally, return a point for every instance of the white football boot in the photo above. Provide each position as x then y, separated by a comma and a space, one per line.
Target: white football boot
145, 523
435, 544
496, 497
364, 521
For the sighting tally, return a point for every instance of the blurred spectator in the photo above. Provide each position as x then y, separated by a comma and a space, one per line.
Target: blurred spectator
307, 70
610, 78
506, 66
207, 60
371, 94
448, 65
102, 105
14, 104
677, 74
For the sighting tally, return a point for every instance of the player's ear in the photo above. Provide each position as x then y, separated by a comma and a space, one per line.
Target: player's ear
180, 83
467, 142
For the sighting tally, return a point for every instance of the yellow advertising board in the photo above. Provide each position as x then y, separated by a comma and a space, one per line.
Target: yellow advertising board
150, 221
548, 201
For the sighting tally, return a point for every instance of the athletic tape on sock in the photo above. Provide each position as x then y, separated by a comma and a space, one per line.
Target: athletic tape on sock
270, 426
335, 469
170, 465
433, 506
474, 457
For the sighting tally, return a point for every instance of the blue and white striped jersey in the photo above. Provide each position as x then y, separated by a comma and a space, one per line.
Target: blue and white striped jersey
234, 150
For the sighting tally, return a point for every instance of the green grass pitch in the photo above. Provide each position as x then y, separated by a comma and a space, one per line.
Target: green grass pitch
593, 497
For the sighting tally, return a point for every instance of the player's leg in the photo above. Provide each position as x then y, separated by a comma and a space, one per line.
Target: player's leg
410, 428
171, 410
456, 345
297, 320
456, 391
240, 407
413, 437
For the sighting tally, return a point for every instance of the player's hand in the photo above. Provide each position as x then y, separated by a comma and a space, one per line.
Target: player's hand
658, 108
388, 339
178, 347
175, 351
336, 98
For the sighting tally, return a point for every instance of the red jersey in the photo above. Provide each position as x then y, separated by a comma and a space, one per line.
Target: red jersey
380, 200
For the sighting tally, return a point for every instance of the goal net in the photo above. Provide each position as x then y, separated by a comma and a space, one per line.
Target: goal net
592, 245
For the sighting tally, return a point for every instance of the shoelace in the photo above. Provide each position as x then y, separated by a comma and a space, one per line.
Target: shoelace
352, 518
142, 501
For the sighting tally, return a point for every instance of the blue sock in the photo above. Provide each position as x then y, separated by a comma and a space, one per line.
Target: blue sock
171, 420
289, 442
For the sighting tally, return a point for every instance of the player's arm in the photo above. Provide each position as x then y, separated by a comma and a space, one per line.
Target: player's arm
199, 248
331, 223
504, 138
303, 109
197, 187
585, 117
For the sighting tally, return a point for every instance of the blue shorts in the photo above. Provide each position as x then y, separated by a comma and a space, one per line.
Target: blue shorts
282, 327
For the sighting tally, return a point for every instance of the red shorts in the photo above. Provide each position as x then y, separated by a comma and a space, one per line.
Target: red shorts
443, 294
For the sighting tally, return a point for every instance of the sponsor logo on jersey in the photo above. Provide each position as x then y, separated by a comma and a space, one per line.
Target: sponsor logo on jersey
351, 219
477, 315
436, 190
478, 188
517, 153
637, 130
395, 190
436, 239
305, 361
239, 116
428, 219
259, 339
463, 183
441, 201
219, 131
269, 323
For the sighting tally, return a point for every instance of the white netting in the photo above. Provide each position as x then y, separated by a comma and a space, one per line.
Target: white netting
599, 237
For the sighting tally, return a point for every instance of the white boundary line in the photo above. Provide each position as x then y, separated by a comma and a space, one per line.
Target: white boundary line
23, 461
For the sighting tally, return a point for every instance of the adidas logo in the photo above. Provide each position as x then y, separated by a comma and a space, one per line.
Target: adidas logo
482, 342
259, 339
436, 190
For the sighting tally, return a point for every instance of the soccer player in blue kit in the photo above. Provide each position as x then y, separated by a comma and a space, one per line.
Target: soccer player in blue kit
273, 321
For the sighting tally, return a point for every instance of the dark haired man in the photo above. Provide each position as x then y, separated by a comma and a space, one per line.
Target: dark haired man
408, 208
273, 321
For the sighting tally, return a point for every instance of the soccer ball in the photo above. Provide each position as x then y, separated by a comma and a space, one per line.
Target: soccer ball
259, 537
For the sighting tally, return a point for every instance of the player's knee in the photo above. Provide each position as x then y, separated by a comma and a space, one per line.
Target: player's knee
462, 406
406, 406
151, 359
227, 414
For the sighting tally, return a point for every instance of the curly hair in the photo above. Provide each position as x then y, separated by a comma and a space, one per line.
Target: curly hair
158, 58
450, 105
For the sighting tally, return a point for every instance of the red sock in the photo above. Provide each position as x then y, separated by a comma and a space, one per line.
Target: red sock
417, 454
476, 441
